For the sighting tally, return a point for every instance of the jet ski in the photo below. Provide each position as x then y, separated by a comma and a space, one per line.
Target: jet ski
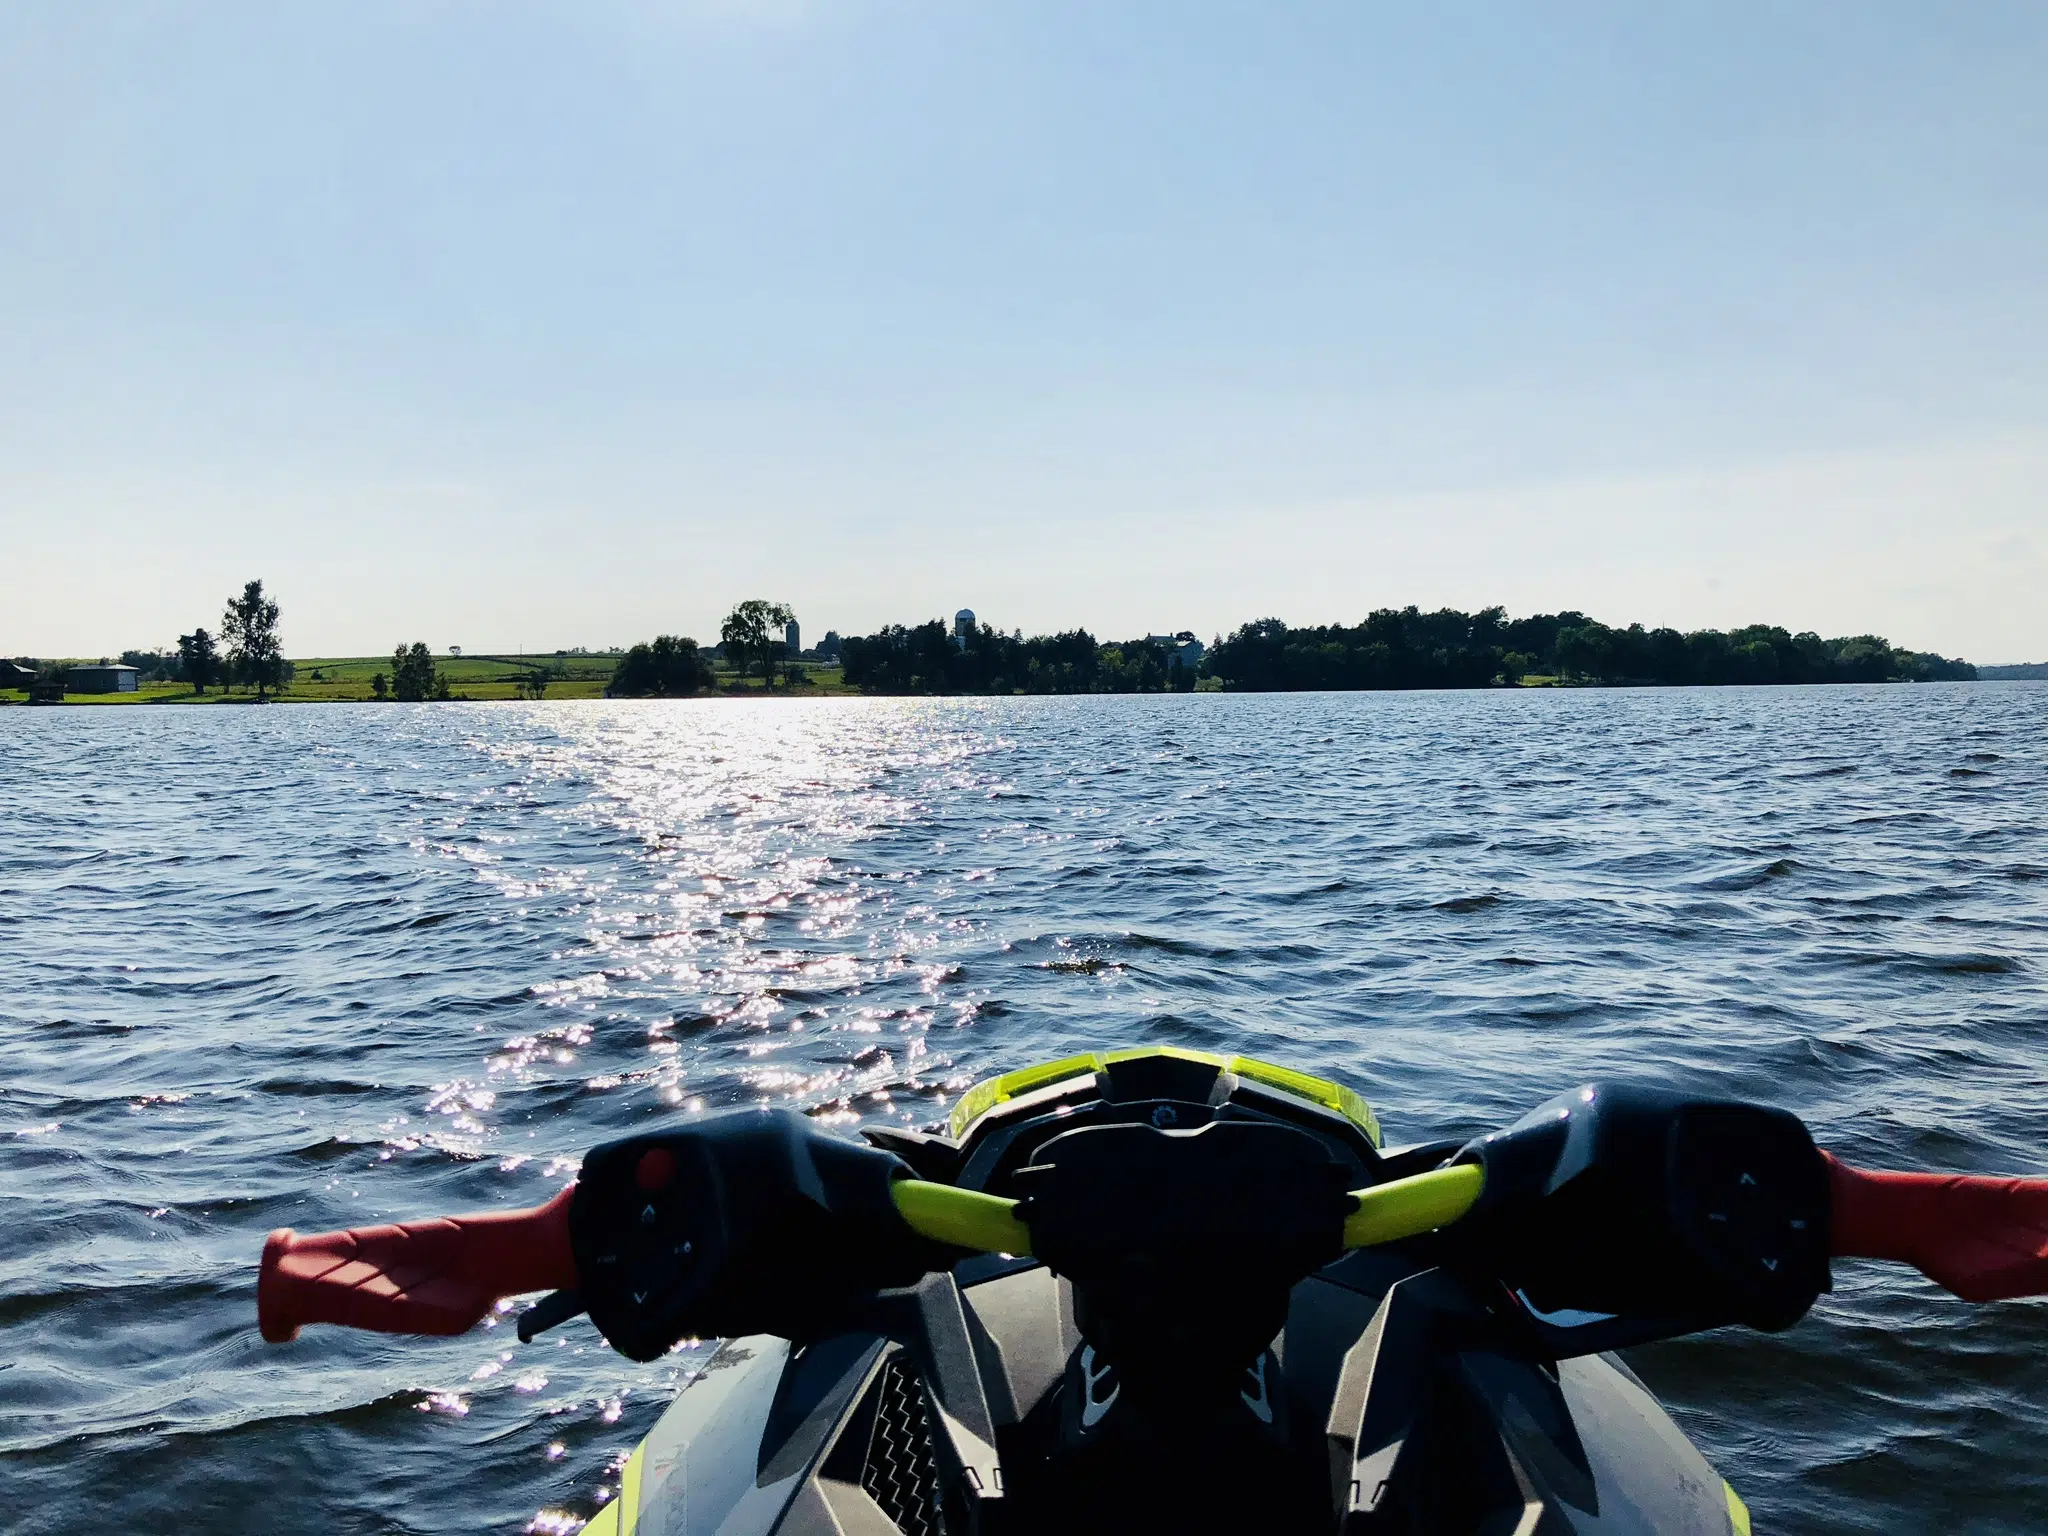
1167, 1290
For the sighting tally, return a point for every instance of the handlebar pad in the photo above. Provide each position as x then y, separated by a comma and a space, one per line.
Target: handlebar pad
1984, 1238
434, 1277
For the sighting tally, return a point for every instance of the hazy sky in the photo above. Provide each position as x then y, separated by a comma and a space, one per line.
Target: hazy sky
503, 324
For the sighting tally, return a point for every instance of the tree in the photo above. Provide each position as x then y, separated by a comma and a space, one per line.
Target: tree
670, 668
380, 689
413, 675
49, 683
250, 629
746, 634
1586, 651
198, 659
162, 665
536, 684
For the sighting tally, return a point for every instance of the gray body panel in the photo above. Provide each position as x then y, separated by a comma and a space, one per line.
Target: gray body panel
772, 1441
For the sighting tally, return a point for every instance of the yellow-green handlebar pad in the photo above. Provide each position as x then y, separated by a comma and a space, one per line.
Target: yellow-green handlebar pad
1412, 1206
966, 1218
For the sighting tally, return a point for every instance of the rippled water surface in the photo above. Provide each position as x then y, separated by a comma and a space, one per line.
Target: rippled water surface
318, 966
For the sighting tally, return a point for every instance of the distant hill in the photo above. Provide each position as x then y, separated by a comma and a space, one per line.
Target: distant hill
2013, 670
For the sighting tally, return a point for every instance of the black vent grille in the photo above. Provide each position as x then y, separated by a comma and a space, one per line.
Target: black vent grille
901, 1473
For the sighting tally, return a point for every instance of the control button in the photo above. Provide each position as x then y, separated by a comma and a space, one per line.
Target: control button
656, 1167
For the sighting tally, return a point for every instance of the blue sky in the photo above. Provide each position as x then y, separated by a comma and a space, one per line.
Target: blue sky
544, 324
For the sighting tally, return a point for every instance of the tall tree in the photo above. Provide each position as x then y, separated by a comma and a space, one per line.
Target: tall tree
250, 629
745, 635
414, 676
198, 659
671, 668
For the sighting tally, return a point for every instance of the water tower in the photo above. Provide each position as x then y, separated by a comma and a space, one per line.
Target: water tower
963, 626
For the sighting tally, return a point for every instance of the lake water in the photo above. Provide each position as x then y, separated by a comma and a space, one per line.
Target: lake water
321, 966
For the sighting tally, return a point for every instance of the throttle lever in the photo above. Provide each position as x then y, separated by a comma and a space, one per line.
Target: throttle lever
551, 1311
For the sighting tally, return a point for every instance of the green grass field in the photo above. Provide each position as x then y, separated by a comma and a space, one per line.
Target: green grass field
346, 679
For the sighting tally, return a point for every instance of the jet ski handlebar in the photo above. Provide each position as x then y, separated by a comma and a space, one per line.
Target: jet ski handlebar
441, 1277
1661, 1213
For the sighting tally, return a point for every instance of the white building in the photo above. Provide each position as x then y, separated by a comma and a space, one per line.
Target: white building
963, 626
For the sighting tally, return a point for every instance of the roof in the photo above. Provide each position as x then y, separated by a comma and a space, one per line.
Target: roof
102, 666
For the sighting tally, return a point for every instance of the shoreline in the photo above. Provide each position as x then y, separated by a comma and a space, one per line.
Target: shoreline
471, 679
178, 696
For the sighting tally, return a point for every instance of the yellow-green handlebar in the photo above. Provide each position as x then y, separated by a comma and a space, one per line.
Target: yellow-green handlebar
965, 1218
1386, 1213
1409, 1207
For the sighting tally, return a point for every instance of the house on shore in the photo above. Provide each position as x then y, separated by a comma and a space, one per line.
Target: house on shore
1182, 647
107, 677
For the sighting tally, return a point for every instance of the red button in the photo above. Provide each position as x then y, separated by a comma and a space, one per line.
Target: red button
656, 1167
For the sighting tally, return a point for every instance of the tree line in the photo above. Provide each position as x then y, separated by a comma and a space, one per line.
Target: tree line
1391, 648
930, 658
674, 667
925, 658
1406, 648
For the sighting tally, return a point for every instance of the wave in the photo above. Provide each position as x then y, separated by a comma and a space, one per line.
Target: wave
1753, 878
1468, 903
